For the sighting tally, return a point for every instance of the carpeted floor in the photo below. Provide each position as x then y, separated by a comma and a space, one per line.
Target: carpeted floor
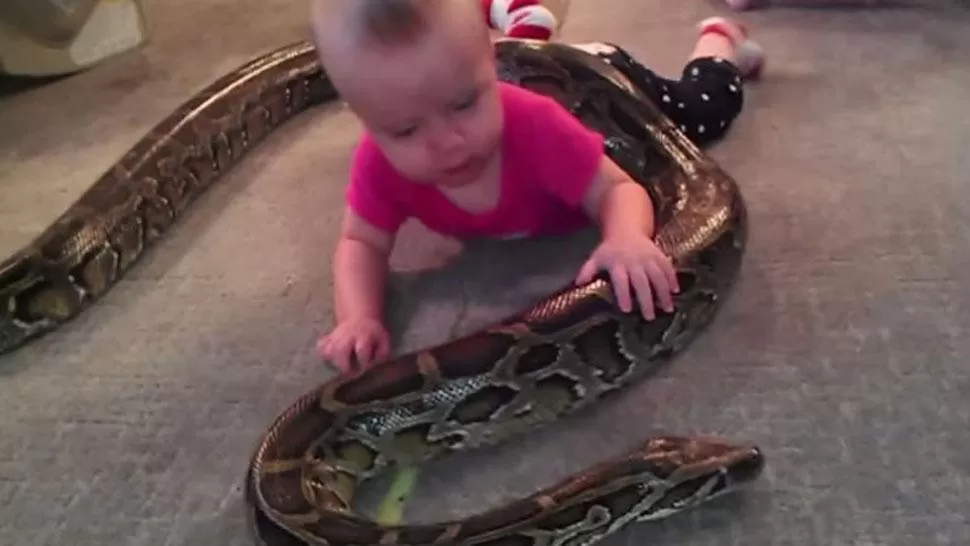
841, 351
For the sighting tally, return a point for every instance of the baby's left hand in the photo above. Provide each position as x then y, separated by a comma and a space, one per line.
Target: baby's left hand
634, 259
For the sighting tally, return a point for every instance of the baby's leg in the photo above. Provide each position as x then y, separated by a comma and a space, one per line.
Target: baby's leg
709, 95
705, 101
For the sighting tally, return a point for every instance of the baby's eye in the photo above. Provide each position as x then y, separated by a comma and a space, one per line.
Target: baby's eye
467, 102
404, 133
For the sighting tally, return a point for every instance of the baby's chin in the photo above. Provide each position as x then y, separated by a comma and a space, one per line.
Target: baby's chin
449, 180
466, 175
454, 181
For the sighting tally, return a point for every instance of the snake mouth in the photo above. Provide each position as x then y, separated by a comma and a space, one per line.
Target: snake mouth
747, 465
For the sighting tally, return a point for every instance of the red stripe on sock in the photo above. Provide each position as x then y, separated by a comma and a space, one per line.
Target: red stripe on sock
718, 29
487, 12
534, 32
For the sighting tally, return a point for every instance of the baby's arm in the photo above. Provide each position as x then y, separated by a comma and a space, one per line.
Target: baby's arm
360, 269
624, 211
576, 169
360, 263
617, 203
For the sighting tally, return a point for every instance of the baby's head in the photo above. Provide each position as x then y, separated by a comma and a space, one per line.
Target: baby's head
420, 75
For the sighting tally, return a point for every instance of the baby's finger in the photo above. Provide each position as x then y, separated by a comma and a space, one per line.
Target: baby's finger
331, 351
671, 274
383, 347
340, 357
641, 284
376, 348
662, 286
621, 287
323, 346
587, 272
364, 349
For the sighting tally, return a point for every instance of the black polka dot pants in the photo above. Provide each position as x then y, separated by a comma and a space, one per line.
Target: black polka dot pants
703, 102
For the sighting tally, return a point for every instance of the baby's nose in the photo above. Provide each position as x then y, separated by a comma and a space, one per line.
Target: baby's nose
445, 137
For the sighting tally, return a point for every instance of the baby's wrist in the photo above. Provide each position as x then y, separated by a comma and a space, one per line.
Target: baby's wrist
624, 231
360, 316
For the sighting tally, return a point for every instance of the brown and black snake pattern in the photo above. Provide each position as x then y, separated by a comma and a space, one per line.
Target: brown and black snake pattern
553, 358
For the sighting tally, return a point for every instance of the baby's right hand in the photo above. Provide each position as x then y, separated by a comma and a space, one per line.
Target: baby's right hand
355, 343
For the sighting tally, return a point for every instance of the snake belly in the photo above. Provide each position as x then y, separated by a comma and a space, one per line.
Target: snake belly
559, 355
553, 358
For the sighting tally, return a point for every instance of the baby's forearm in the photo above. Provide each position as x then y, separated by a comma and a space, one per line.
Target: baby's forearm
625, 208
359, 272
624, 205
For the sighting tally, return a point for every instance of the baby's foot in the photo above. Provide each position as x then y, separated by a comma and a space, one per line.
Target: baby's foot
749, 57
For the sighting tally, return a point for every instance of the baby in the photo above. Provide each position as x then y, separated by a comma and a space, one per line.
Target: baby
449, 144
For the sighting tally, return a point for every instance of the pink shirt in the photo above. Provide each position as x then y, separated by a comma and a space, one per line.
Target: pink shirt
549, 160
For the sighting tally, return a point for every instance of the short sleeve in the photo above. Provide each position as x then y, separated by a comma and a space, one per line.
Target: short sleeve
568, 152
370, 192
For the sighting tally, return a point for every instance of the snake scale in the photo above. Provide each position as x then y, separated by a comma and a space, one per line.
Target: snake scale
562, 354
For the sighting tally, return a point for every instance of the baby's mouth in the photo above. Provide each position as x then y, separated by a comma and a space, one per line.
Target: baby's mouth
461, 167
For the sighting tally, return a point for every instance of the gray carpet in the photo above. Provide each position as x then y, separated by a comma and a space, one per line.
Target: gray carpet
841, 351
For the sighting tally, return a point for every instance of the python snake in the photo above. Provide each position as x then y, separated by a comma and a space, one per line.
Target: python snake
560, 355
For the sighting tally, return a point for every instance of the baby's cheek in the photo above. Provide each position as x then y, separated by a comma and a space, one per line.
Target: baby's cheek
410, 161
490, 129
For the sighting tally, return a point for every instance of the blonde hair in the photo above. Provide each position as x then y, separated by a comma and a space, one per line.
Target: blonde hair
387, 22
392, 21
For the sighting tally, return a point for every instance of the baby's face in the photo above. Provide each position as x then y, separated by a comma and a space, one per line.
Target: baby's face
432, 107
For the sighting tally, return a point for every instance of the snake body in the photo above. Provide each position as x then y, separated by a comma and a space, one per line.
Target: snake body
555, 357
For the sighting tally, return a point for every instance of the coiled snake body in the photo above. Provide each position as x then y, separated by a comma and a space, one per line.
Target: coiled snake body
560, 355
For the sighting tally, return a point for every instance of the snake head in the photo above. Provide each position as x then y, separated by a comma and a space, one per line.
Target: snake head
694, 470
